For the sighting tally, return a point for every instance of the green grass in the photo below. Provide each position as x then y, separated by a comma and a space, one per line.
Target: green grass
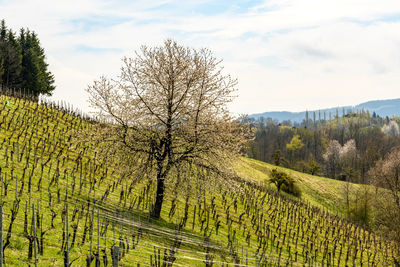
257, 225
319, 191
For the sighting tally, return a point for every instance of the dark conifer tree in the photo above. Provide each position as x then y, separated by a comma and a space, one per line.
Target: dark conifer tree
10, 56
1, 70
35, 75
23, 63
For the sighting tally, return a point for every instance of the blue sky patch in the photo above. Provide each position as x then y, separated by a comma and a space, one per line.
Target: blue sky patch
96, 50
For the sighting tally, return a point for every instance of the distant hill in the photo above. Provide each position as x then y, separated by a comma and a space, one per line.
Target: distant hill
383, 108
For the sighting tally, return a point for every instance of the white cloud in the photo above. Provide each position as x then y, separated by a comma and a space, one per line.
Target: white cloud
287, 55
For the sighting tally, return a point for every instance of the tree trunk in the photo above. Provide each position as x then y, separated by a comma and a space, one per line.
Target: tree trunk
155, 214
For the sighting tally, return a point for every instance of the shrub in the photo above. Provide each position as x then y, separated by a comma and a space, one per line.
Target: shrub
292, 188
283, 181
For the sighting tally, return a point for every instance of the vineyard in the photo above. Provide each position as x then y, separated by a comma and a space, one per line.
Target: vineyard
64, 206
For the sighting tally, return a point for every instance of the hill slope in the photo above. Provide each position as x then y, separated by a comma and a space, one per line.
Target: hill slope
73, 199
319, 191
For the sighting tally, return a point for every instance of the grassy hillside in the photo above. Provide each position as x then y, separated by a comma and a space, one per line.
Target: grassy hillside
85, 204
319, 191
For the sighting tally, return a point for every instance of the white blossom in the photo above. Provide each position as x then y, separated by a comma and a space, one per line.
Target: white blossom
392, 128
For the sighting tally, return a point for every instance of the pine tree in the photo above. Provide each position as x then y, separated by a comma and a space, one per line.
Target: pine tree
23, 63
35, 75
1, 70
10, 56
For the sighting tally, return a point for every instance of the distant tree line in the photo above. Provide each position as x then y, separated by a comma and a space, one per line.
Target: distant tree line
342, 147
23, 62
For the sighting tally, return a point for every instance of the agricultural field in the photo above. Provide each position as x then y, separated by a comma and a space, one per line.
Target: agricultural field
63, 205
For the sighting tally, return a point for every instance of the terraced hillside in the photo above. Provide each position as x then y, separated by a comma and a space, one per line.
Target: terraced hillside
64, 205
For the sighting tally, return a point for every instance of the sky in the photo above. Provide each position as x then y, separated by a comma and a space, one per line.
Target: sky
286, 54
